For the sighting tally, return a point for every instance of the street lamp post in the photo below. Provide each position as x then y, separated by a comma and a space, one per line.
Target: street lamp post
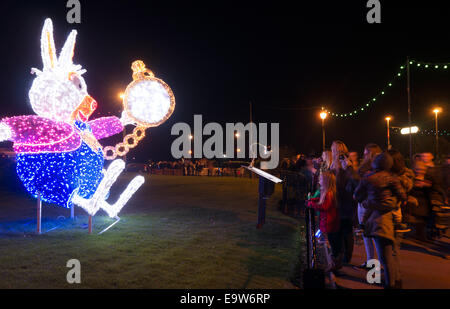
388, 119
436, 111
191, 138
323, 115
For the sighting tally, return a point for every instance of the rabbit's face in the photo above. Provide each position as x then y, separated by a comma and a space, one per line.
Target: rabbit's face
59, 91
57, 97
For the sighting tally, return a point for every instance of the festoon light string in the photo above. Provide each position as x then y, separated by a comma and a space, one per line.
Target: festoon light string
389, 85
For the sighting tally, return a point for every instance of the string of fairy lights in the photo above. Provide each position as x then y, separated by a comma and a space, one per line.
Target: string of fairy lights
364, 107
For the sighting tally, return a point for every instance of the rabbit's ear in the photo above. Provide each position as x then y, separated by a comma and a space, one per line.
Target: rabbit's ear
48, 51
66, 55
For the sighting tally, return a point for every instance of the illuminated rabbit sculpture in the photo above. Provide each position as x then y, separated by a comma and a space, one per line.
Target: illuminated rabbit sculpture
58, 153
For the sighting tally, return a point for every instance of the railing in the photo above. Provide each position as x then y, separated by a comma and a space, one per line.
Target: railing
311, 240
228, 172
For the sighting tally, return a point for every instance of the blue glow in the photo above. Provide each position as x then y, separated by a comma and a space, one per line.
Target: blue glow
57, 176
82, 126
318, 233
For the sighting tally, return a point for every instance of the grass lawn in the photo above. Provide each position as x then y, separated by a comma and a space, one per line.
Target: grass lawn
176, 232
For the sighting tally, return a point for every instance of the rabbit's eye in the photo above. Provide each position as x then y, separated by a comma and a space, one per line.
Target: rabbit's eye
76, 81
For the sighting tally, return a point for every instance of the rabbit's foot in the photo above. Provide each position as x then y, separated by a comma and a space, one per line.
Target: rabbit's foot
133, 186
93, 204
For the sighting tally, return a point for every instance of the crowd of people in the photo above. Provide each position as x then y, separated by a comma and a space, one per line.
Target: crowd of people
378, 196
199, 167
186, 167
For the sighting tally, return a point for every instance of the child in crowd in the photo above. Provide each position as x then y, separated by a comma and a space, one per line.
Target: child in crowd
329, 218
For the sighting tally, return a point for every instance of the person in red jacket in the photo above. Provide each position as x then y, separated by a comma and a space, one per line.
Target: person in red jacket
329, 217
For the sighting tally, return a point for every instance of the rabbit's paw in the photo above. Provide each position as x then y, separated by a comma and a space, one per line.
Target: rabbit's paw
126, 120
5, 132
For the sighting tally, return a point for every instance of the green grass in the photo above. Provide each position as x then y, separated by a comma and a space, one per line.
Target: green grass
177, 232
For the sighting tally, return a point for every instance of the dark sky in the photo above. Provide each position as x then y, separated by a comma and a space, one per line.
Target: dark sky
219, 55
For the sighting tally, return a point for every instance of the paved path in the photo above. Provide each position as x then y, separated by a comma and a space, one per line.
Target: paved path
423, 266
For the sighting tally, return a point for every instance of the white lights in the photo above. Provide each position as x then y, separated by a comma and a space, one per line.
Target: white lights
97, 201
406, 131
133, 186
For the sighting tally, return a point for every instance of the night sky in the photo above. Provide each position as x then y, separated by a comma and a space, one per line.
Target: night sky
217, 56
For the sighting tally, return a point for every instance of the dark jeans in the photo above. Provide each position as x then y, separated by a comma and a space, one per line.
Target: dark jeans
346, 235
335, 243
385, 250
396, 253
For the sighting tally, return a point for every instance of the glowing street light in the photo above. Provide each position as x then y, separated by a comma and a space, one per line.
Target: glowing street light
191, 137
388, 119
407, 131
323, 115
436, 111
237, 135
121, 95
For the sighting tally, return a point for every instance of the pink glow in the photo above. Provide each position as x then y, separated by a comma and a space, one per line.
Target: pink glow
105, 127
34, 134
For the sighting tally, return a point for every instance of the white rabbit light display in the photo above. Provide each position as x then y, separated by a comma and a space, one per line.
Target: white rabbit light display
57, 150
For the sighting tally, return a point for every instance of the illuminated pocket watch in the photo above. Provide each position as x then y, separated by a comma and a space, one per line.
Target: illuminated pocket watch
148, 101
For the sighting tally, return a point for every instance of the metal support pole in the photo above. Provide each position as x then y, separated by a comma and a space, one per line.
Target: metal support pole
388, 136
323, 134
90, 225
314, 240
308, 237
39, 214
285, 194
409, 110
437, 139
261, 203
251, 133
72, 211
